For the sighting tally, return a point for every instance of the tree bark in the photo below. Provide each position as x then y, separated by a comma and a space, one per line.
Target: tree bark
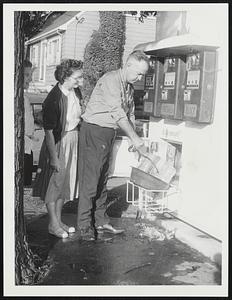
24, 266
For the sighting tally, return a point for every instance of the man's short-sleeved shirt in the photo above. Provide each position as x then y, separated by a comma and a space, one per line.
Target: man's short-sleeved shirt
110, 101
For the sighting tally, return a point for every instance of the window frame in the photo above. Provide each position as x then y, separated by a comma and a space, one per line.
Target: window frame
55, 60
35, 61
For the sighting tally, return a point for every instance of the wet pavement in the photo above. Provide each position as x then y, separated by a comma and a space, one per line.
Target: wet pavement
143, 255
131, 258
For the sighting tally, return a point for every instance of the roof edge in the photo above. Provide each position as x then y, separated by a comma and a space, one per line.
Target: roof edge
62, 27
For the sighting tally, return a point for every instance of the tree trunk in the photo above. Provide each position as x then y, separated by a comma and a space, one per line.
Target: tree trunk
24, 265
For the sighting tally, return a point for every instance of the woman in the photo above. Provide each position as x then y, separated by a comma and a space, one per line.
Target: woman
61, 116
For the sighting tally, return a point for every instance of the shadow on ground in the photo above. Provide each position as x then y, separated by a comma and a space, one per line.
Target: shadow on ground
116, 201
126, 259
115, 205
41, 242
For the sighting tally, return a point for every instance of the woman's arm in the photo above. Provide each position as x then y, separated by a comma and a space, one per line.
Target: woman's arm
50, 142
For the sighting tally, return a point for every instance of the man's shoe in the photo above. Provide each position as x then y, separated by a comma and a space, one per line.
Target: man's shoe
109, 228
87, 234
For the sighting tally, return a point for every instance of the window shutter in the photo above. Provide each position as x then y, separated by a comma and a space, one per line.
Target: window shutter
36, 55
31, 54
58, 51
49, 54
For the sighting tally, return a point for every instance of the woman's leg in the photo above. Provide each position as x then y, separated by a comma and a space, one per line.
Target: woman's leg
51, 208
54, 225
59, 206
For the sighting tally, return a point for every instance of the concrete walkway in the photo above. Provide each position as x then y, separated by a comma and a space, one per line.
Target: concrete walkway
143, 255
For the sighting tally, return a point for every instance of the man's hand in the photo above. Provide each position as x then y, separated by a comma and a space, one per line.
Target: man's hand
142, 150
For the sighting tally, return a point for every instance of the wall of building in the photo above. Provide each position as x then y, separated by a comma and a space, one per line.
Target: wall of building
68, 40
203, 178
138, 32
78, 34
50, 78
170, 23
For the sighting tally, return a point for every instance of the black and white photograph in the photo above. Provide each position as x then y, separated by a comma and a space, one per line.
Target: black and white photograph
115, 122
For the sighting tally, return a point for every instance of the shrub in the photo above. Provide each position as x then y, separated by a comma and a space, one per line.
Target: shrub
104, 51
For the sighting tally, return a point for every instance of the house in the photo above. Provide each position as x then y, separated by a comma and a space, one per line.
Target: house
66, 37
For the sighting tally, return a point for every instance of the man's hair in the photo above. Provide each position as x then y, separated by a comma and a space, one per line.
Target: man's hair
27, 63
138, 55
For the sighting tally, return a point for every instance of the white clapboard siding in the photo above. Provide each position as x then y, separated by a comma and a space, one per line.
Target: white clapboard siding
170, 23
50, 78
78, 34
136, 33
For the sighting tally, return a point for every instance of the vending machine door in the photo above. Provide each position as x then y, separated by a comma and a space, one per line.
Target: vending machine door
199, 89
150, 87
170, 83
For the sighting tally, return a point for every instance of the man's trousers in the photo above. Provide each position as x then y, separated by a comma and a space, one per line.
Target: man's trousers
28, 168
95, 147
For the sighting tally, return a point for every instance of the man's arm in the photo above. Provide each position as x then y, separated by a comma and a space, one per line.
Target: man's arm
112, 93
131, 113
137, 142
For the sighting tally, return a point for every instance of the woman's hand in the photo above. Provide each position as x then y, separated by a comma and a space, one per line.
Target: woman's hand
50, 142
55, 165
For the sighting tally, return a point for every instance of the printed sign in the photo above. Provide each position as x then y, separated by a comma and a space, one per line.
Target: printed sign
167, 109
192, 61
193, 78
169, 80
190, 110
149, 81
164, 95
172, 134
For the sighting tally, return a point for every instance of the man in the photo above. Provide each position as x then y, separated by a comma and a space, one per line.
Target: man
111, 106
29, 126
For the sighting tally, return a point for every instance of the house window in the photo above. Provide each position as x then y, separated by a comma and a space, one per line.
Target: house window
54, 51
35, 55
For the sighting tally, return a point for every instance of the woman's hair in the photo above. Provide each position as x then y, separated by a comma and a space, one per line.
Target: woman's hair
27, 64
66, 68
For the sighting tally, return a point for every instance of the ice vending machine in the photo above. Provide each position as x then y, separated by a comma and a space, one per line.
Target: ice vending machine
199, 87
150, 87
170, 81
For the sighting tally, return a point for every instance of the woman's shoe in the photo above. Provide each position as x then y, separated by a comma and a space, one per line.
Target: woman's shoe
58, 232
67, 228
